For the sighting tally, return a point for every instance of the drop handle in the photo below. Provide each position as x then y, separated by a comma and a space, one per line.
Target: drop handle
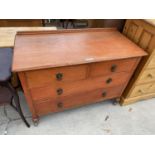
59, 91
140, 91
104, 94
109, 80
60, 105
113, 68
59, 76
150, 75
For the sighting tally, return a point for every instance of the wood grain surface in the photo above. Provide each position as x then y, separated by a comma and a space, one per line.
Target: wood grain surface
37, 50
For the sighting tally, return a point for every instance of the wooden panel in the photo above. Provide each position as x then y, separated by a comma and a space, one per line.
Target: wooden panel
36, 50
143, 32
144, 40
40, 78
50, 91
104, 68
45, 107
126, 26
132, 31
147, 76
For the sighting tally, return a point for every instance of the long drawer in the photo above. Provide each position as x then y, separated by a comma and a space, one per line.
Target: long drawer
66, 89
54, 105
143, 89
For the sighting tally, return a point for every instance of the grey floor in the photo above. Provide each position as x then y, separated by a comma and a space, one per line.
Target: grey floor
96, 119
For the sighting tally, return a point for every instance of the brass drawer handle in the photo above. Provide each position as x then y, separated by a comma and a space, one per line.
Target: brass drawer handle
59, 91
113, 68
104, 94
60, 105
59, 76
109, 81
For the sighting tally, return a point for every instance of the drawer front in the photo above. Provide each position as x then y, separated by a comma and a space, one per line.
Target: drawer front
56, 75
144, 89
109, 67
147, 76
66, 89
46, 106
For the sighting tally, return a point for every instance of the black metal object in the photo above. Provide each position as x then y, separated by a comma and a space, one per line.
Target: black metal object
104, 94
113, 68
59, 76
15, 97
59, 91
8, 93
109, 81
60, 105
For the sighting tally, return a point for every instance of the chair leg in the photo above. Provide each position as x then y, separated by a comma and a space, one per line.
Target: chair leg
16, 99
17, 103
12, 105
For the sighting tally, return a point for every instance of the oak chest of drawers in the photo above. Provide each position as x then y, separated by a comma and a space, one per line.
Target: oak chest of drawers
142, 85
63, 69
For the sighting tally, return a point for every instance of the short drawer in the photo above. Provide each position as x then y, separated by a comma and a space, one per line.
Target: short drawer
46, 106
109, 67
66, 89
56, 75
143, 89
147, 76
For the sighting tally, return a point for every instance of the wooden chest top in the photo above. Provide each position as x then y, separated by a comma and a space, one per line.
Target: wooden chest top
38, 50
